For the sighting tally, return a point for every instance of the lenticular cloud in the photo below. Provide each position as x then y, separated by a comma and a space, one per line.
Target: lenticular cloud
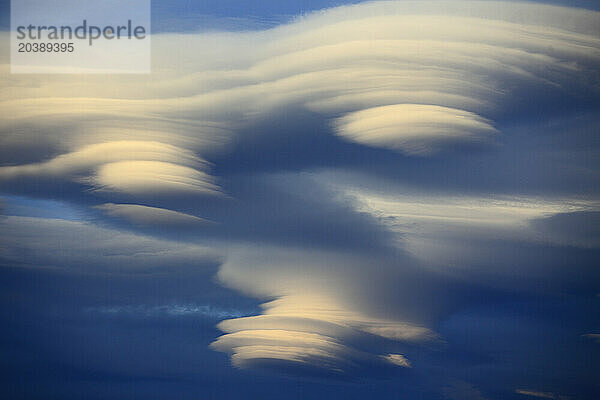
410, 77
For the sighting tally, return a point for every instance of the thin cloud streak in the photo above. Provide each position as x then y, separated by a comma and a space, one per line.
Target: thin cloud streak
172, 310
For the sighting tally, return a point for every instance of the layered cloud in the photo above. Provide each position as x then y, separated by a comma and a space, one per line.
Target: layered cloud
413, 128
132, 167
417, 76
385, 79
324, 309
411, 77
332, 300
487, 239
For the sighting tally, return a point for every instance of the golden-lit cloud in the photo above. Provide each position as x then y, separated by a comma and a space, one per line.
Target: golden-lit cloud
413, 128
141, 177
125, 166
315, 317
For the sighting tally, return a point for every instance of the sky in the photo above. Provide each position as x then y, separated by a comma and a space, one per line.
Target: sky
310, 199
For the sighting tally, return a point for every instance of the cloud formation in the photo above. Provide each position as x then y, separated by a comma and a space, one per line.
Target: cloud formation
399, 78
133, 167
313, 310
413, 128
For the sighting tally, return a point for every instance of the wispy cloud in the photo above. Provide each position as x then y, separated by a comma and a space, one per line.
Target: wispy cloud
174, 310
144, 215
397, 359
538, 394
592, 336
41, 242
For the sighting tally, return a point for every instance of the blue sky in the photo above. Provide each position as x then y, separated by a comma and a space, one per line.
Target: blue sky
178, 15
394, 200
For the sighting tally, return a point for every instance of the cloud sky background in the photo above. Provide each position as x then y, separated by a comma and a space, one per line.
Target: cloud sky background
388, 199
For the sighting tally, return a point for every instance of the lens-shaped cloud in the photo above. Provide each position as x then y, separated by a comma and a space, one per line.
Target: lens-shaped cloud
413, 128
142, 177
